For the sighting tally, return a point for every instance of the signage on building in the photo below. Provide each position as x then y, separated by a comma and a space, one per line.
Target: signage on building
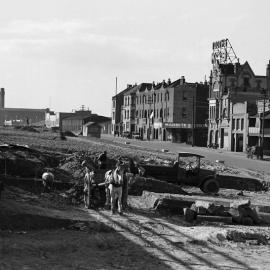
157, 125
219, 44
182, 125
176, 125
260, 106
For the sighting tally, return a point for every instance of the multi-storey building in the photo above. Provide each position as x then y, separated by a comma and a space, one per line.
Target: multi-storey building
174, 111
233, 92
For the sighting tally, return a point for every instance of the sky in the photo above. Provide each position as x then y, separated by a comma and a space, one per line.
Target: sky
63, 54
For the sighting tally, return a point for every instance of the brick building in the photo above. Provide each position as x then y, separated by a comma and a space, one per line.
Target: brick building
167, 111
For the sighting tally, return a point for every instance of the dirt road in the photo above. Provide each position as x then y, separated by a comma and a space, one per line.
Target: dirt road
42, 231
88, 239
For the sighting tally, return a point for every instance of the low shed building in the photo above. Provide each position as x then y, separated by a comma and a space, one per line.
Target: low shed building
92, 129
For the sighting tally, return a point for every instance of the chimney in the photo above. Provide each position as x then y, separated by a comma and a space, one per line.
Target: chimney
129, 85
236, 67
182, 80
153, 83
268, 70
2, 98
169, 81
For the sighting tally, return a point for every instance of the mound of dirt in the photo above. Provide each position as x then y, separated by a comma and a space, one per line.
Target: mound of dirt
69, 134
29, 129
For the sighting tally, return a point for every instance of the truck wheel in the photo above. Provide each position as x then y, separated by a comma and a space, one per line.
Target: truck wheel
210, 186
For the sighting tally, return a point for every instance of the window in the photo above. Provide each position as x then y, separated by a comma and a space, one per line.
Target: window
237, 124
113, 103
184, 95
246, 81
113, 115
233, 124
161, 97
242, 124
184, 112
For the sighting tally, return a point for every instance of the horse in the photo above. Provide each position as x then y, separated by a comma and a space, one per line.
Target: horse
114, 188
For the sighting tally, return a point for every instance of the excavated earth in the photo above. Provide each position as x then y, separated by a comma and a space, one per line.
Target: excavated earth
49, 231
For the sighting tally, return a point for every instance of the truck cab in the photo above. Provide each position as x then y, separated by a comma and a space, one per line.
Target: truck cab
185, 170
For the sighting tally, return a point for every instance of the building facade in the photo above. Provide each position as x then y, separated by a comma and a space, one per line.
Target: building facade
233, 92
168, 111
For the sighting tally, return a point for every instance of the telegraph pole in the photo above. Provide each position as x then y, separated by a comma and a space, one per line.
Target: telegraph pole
262, 142
193, 113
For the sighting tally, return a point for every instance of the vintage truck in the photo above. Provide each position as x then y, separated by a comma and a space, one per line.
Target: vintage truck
185, 171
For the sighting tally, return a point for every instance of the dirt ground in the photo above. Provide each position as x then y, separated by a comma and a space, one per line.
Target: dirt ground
44, 231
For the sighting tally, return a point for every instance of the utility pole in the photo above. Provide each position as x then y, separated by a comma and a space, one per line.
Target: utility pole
262, 141
193, 113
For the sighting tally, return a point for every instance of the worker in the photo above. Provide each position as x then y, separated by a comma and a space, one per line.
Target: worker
115, 188
102, 161
47, 180
91, 191
108, 179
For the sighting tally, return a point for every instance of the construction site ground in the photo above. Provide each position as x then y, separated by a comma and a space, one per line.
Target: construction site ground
44, 231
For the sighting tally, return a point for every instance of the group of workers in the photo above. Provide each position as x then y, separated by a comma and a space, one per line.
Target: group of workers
115, 183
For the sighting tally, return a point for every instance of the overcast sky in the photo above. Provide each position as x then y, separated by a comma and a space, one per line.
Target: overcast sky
67, 53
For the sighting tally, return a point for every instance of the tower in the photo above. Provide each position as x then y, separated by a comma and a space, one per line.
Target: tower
2, 98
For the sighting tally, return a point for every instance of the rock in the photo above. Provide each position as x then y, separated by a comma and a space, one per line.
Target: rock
247, 221
201, 210
264, 217
189, 214
242, 212
227, 220
236, 204
203, 204
236, 215
171, 206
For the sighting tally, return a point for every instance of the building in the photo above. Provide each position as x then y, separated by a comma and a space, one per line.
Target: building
77, 121
92, 130
168, 111
233, 92
20, 116
117, 111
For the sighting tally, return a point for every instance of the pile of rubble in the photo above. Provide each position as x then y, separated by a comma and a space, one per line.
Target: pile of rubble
238, 212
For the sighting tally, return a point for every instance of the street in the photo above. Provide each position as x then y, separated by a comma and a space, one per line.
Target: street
232, 159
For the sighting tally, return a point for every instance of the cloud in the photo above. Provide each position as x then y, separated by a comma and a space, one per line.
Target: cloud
78, 43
